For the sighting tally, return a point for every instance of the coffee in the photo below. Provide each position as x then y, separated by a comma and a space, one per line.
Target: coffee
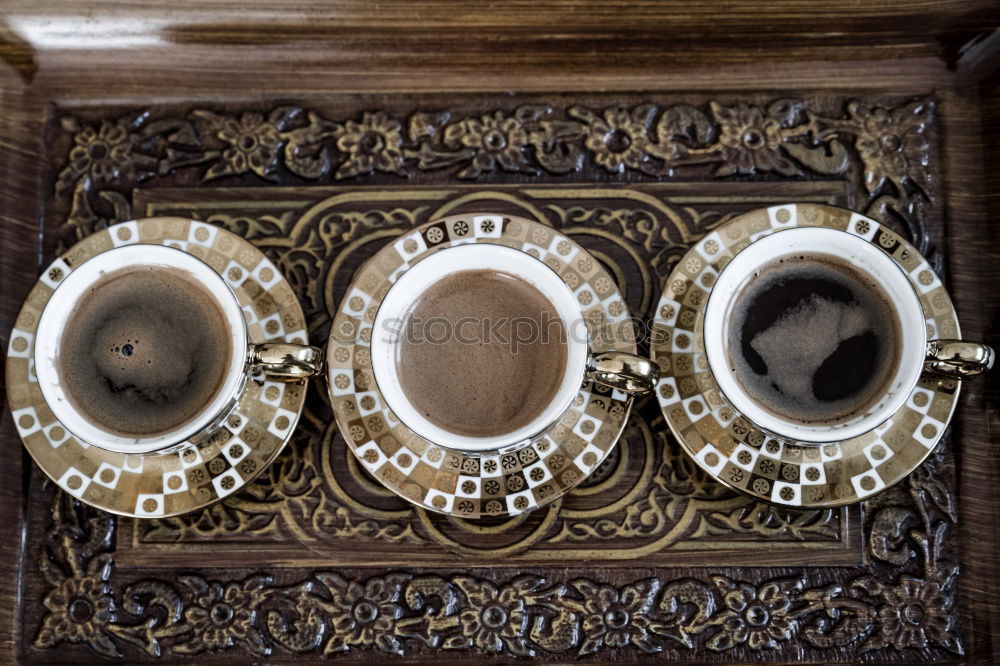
144, 351
482, 353
813, 340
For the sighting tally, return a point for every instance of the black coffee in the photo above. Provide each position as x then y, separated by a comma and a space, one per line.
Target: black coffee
483, 353
144, 351
813, 340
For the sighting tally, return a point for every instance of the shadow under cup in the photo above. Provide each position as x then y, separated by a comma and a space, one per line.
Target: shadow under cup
869, 262
407, 290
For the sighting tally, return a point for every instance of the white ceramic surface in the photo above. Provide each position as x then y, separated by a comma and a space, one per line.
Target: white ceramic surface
407, 290
60, 307
868, 259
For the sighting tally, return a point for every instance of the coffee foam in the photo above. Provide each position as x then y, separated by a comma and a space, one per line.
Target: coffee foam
815, 345
144, 351
480, 387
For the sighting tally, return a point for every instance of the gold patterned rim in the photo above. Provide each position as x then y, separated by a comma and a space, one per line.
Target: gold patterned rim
500, 483
189, 476
725, 444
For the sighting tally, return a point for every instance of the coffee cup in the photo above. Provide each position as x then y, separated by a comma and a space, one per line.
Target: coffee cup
816, 335
458, 389
144, 347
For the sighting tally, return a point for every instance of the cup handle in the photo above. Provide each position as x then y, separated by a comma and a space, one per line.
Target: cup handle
286, 361
958, 359
623, 371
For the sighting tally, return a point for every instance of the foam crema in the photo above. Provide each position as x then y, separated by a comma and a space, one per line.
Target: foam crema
144, 351
483, 353
813, 340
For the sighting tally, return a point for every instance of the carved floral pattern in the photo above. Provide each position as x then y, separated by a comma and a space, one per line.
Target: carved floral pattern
751, 139
371, 145
251, 145
901, 607
103, 154
495, 619
617, 138
759, 617
783, 137
364, 615
616, 618
222, 616
79, 611
496, 138
529, 615
916, 612
892, 143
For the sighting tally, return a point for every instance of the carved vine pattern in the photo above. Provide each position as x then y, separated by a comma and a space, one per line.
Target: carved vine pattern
904, 602
784, 138
910, 608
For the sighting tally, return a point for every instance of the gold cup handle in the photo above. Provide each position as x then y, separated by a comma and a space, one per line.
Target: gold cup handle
623, 371
286, 361
958, 359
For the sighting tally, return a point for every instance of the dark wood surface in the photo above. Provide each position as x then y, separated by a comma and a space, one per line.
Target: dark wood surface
662, 540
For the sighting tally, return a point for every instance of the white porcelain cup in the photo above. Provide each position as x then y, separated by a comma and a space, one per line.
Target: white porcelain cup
277, 360
951, 357
627, 372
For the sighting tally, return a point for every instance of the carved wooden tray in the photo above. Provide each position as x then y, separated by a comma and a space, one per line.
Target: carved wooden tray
649, 556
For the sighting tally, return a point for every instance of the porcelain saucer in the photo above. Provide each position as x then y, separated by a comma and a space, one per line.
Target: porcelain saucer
732, 450
190, 476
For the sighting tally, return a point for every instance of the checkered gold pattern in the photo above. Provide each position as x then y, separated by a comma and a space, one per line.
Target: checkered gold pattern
188, 476
499, 483
728, 446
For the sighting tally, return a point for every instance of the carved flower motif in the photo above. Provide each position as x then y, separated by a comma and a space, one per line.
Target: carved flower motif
892, 143
915, 611
80, 609
364, 615
615, 619
760, 618
494, 618
497, 139
374, 144
617, 138
252, 145
750, 139
103, 154
223, 616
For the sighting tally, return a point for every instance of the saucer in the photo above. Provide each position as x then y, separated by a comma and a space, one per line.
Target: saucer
723, 442
189, 476
509, 481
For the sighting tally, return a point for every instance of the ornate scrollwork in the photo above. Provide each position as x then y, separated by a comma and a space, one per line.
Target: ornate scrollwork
398, 612
904, 603
783, 137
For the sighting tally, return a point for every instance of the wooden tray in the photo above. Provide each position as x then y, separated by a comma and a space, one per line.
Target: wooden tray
319, 153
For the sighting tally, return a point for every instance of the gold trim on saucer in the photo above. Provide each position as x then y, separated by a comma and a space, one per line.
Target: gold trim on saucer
188, 476
500, 483
725, 444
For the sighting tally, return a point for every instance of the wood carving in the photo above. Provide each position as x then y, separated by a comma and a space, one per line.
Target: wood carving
877, 152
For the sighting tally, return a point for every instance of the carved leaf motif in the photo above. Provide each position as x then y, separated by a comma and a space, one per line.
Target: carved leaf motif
426, 125
681, 130
305, 633
161, 605
308, 153
685, 607
927, 488
830, 158
556, 145
888, 535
